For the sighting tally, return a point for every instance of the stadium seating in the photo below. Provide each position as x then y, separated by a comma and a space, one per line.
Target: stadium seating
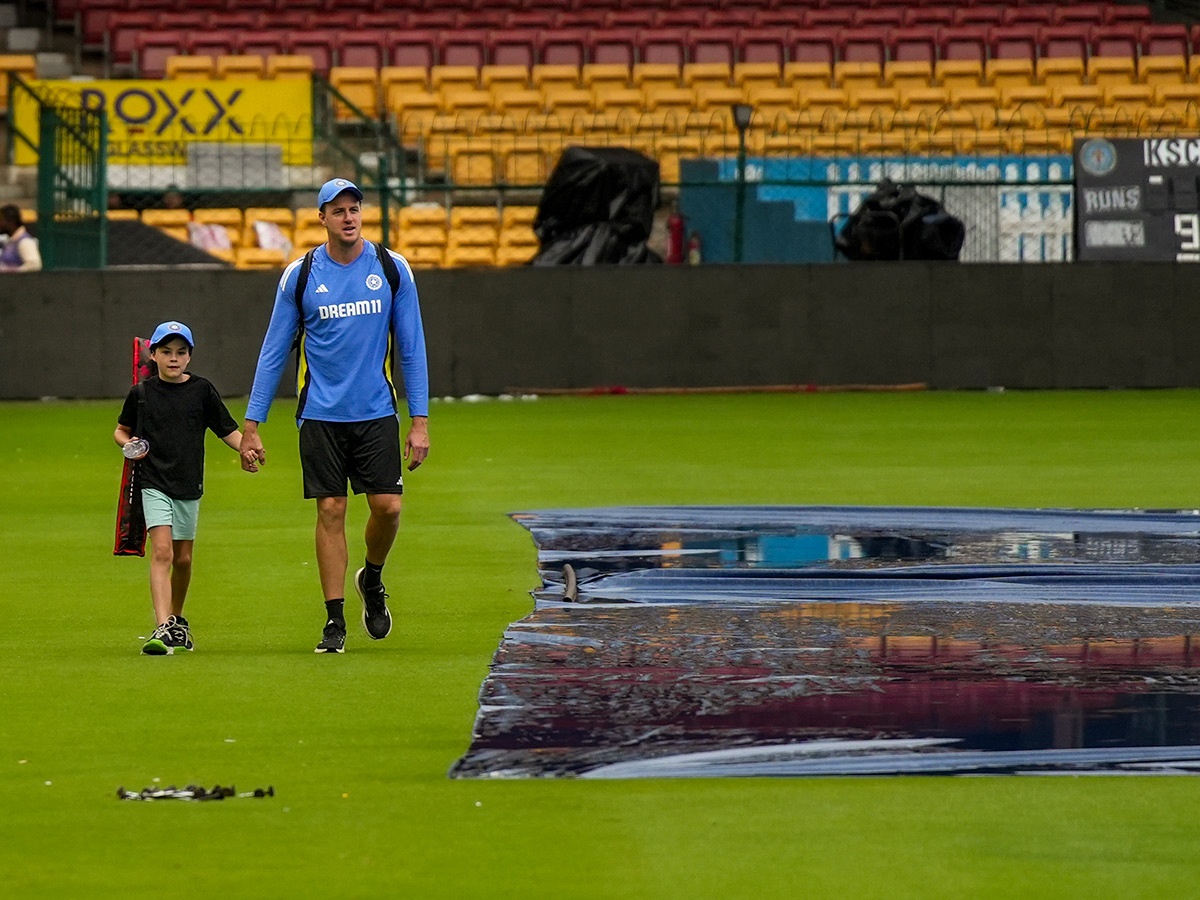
22, 65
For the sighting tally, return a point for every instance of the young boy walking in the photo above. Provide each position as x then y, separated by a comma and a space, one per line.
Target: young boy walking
170, 412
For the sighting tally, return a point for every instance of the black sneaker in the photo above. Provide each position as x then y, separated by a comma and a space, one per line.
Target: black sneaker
179, 635
159, 643
333, 638
377, 621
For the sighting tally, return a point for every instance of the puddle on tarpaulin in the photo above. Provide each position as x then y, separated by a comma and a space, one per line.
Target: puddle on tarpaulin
1044, 664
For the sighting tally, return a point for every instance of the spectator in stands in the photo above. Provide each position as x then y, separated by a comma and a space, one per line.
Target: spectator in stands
350, 301
173, 199
20, 252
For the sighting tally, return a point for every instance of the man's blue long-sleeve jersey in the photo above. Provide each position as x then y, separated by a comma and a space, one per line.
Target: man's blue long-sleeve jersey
345, 371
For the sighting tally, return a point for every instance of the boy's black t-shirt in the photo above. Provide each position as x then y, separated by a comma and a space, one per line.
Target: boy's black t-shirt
175, 418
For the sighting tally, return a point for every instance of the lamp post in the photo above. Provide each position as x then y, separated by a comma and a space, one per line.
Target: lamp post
741, 118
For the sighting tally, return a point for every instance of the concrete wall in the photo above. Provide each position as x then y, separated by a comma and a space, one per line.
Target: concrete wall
949, 325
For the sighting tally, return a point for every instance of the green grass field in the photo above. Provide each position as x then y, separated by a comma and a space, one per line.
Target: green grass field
358, 746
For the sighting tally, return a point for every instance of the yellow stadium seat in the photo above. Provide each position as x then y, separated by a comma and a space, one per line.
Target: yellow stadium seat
190, 67
308, 217
359, 85
113, 215
1035, 140
876, 108
853, 77
518, 104
713, 75
1077, 95
240, 67
230, 218
1004, 73
1109, 71
285, 219
1158, 70
1131, 95
517, 216
453, 78
468, 103
822, 104
310, 236
598, 77
907, 75
484, 217
799, 143
807, 76
1025, 107
292, 67
1055, 72
463, 255
981, 102
425, 220
653, 76
526, 161
616, 102
922, 106
171, 221
708, 97
680, 101
403, 80
958, 73
472, 163
414, 112
569, 104
550, 79
22, 65
1182, 100
516, 254
498, 80
423, 256
258, 258
750, 76
768, 103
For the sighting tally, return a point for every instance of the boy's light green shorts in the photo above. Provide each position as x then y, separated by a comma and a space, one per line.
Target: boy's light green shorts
181, 515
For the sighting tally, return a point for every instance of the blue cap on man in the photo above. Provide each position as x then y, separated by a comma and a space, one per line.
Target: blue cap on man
168, 330
335, 186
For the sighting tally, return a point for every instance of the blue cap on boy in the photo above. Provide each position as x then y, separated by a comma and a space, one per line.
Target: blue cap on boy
169, 330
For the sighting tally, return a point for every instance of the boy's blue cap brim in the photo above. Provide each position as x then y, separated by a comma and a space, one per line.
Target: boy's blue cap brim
335, 186
169, 330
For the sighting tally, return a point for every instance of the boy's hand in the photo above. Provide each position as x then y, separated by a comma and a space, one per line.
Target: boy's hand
416, 444
135, 448
252, 451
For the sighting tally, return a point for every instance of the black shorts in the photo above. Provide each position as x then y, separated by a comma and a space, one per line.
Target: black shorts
366, 453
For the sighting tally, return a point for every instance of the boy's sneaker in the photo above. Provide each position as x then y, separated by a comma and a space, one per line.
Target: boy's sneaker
376, 619
159, 643
333, 638
179, 635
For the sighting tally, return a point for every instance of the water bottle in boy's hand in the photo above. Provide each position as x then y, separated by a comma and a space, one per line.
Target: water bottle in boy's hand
136, 449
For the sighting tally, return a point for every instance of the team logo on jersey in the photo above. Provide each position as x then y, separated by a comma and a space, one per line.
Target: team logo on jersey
374, 282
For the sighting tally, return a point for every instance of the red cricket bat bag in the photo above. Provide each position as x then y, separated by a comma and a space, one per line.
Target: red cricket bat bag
131, 519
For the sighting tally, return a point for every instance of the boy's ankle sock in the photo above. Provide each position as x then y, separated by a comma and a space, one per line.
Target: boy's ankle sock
334, 613
372, 575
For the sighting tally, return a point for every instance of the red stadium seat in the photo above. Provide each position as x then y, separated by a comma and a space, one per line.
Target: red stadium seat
1164, 40
412, 47
1113, 40
533, 18
864, 45
210, 43
792, 17
92, 20
914, 44
629, 18
879, 17
123, 29
815, 44
512, 47
986, 16
965, 42
463, 47
263, 42
915, 16
315, 45
1086, 13
1014, 42
662, 45
432, 19
1027, 15
502, 5
361, 49
681, 18
713, 45
180, 21
564, 46
151, 49
384, 19
734, 17
829, 17
769, 45
579, 18
1123, 14
609, 46
232, 21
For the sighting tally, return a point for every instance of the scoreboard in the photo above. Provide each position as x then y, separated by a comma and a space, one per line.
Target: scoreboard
1137, 199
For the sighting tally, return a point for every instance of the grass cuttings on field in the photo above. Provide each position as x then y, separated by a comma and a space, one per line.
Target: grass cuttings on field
357, 746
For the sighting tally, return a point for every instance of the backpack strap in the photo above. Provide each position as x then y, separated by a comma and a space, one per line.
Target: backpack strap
298, 296
389, 268
139, 392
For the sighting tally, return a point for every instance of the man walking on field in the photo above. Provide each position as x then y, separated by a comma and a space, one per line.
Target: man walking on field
345, 305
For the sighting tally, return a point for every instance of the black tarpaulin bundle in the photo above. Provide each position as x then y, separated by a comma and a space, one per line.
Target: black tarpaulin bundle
598, 207
896, 222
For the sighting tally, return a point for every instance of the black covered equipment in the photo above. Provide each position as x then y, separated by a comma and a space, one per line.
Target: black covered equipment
597, 208
896, 222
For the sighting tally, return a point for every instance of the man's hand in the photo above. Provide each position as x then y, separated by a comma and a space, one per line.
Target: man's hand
251, 450
416, 445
